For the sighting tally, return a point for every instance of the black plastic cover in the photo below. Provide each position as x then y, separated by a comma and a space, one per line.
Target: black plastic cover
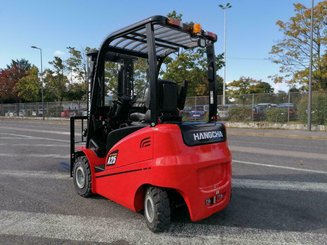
203, 133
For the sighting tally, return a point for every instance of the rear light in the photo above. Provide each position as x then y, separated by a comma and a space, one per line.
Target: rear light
214, 199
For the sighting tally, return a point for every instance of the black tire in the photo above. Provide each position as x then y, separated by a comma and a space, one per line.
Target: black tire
82, 177
157, 209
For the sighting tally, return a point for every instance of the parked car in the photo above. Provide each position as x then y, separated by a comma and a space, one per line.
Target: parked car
22, 113
10, 114
290, 109
223, 111
260, 109
197, 112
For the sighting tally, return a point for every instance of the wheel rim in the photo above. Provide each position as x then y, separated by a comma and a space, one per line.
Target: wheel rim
149, 209
80, 177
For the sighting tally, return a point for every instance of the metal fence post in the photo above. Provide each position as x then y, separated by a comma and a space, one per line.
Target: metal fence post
288, 106
252, 112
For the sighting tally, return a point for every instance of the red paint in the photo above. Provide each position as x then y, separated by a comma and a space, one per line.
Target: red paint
157, 156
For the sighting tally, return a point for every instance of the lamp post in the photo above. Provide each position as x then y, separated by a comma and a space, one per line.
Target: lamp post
42, 97
224, 8
310, 69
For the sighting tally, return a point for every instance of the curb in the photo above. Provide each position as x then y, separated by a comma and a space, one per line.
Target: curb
283, 126
276, 135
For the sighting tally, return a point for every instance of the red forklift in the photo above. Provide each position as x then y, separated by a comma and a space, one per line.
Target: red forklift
137, 150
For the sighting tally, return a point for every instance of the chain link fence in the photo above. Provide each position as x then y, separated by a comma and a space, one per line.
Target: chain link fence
275, 108
51, 109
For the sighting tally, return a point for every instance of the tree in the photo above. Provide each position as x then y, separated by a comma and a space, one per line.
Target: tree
260, 87
238, 89
293, 51
76, 65
175, 15
18, 68
7, 85
10, 76
28, 87
77, 91
55, 80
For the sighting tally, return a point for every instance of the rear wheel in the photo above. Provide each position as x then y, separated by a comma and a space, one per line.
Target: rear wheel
157, 209
82, 177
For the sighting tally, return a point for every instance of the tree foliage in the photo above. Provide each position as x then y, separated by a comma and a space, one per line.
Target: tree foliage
247, 85
191, 65
9, 78
292, 53
77, 65
28, 87
56, 81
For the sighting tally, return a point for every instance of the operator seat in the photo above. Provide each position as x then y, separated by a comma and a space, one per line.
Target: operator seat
168, 101
171, 101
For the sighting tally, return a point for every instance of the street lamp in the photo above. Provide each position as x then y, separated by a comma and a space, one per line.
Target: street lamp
310, 69
42, 97
224, 8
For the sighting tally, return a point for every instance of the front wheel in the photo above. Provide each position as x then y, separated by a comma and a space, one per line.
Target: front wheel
157, 209
82, 177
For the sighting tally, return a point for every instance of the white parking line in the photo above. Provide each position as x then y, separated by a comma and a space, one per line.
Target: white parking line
36, 130
279, 153
32, 138
279, 185
35, 145
34, 155
281, 167
34, 174
134, 231
19, 135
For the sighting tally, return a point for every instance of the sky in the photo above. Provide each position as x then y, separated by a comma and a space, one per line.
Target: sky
54, 25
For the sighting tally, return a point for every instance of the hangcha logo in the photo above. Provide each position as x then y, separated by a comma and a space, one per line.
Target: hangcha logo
207, 135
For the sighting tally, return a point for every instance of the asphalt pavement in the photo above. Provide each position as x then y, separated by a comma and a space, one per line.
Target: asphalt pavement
279, 193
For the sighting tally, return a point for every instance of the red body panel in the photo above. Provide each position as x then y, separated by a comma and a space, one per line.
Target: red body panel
158, 156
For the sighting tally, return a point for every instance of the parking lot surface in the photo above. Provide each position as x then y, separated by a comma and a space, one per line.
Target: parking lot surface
279, 194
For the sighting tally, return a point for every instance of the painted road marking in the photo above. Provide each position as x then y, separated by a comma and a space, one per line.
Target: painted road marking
36, 130
237, 182
296, 154
19, 135
279, 144
97, 229
34, 155
33, 138
281, 167
34, 174
279, 185
35, 145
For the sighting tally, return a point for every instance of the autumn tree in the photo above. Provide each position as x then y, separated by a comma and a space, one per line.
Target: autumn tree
10, 76
238, 89
28, 87
292, 53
